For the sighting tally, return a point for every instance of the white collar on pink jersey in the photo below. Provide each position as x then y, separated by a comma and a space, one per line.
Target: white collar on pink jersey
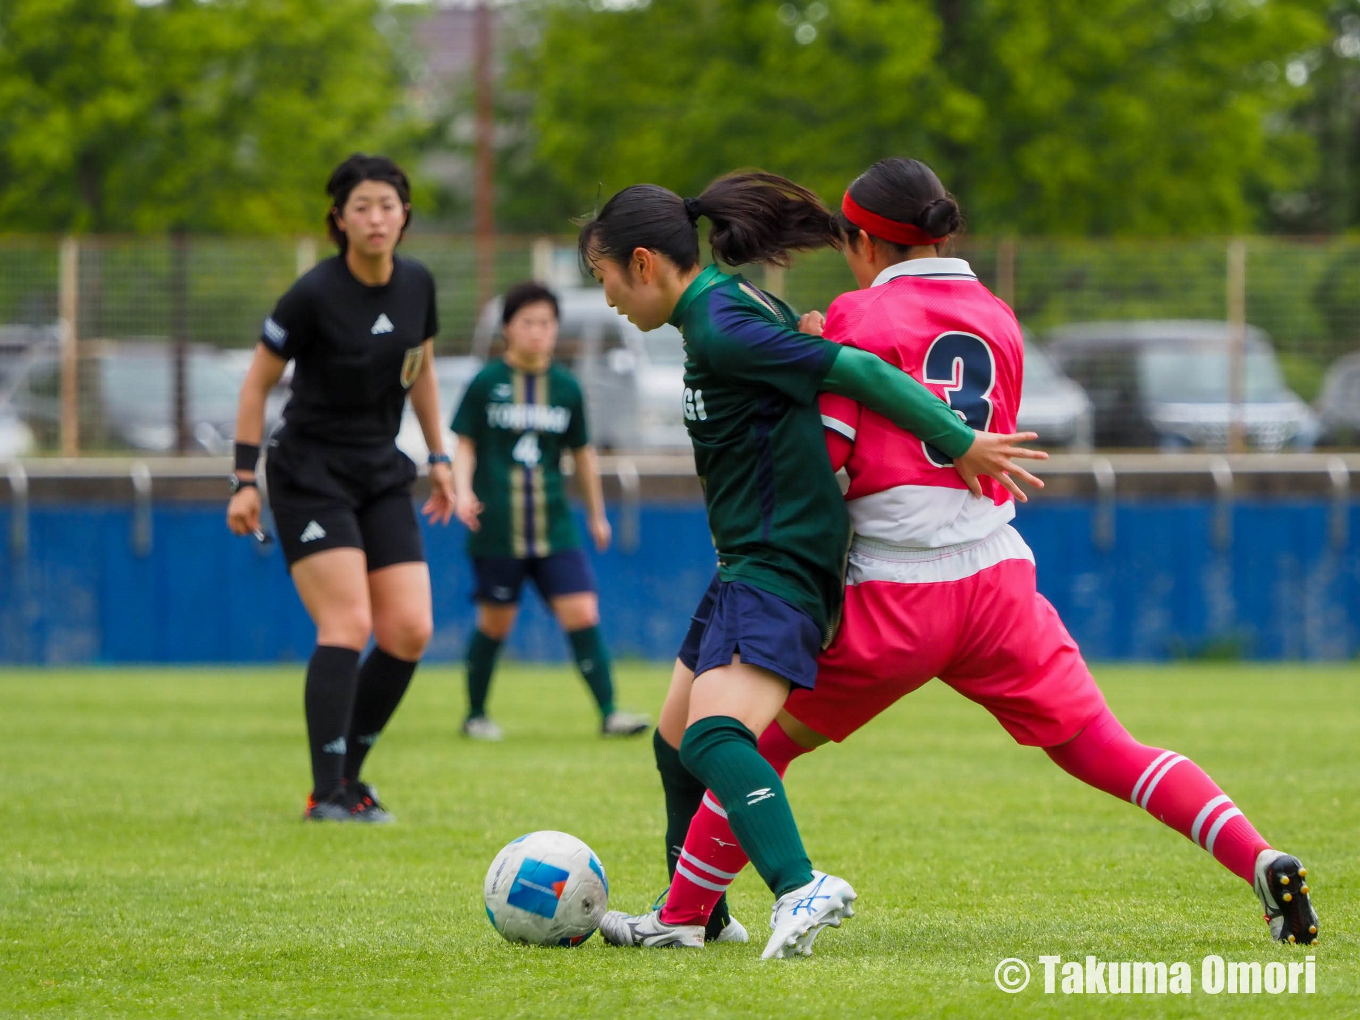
935, 268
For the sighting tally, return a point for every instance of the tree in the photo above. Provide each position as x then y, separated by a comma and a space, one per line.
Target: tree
1127, 116
210, 115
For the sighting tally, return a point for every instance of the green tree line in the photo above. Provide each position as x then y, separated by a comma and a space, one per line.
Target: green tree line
1124, 117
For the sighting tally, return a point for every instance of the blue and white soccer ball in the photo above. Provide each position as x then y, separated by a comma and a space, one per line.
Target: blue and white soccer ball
546, 889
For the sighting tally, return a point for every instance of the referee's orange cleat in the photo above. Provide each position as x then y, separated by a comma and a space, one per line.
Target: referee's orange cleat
331, 809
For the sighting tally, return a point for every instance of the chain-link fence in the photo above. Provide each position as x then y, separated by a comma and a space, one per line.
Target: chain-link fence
1155, 344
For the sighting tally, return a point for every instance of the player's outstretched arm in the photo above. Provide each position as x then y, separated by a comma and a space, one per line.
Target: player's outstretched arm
900, 398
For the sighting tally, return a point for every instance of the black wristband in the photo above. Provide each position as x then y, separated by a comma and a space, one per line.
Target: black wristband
247, 455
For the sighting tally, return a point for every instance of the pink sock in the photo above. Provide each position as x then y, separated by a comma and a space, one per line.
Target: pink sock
712, 857
1171, 787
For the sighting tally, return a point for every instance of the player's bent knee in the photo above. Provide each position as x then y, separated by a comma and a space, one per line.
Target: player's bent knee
405, 637
345, 628
577, 612
496, 623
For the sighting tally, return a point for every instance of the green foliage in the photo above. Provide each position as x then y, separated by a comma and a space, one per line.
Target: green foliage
1128, 116
208, 115
154, 863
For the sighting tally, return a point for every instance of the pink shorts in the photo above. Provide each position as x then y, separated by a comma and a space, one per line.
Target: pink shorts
990, 635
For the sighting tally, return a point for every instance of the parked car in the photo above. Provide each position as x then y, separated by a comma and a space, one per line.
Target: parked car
127, 396
1338, 406
634, 382
21, 343
1167, 384
16, 438
1053, 405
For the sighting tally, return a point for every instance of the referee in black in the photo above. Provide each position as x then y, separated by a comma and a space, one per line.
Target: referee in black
359, 330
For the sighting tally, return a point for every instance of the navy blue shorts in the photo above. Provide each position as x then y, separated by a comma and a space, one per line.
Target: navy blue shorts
734, 618
499, 578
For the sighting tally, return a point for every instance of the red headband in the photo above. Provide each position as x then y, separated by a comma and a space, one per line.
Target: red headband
881, 226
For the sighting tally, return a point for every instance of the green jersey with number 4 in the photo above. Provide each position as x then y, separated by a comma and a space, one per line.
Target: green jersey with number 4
521, 424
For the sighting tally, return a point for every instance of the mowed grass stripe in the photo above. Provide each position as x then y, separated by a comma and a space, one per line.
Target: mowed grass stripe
152, 862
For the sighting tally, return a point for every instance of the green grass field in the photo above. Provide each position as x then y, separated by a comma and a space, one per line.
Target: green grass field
152, 861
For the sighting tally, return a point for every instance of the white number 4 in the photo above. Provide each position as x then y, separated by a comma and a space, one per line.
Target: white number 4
526, 450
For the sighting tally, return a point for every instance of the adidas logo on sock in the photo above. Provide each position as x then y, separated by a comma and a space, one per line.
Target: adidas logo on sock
383, 325
756, 796
312, 532
336, 746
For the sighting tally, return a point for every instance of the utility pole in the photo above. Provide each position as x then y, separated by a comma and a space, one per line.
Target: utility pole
484, 196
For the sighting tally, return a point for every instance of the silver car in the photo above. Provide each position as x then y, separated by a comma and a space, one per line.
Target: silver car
1054, 405
1166, 384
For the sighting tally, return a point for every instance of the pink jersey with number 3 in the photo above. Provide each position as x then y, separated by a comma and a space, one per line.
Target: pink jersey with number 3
933, 319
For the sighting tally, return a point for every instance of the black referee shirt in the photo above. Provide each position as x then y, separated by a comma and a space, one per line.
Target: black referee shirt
355, 349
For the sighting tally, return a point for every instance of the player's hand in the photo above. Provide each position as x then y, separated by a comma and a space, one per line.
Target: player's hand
601, 532
468, 509
995, 456
439, 507
243, 512
812, 322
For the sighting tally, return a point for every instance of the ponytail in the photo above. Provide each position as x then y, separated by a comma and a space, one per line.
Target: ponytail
756, 217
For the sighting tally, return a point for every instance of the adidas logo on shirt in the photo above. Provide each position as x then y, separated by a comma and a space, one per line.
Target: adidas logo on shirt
312, 532
383, 325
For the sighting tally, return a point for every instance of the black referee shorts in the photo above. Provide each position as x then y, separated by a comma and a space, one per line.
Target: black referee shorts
327, 496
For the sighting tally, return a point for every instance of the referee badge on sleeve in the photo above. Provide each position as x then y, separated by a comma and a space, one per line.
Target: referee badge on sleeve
410, 366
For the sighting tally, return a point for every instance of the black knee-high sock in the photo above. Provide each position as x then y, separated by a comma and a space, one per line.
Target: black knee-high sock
383, 679
332, 675
683, 794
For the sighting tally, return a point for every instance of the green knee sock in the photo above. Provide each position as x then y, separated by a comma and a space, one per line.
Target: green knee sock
683, 793
721, 752
592, 659
481, 661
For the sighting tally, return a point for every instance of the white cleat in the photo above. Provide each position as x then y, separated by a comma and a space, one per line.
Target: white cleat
733, 931
479, 727
649, 931
625, 724
799, 915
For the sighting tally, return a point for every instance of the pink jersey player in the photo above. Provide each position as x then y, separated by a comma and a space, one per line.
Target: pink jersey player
939, 584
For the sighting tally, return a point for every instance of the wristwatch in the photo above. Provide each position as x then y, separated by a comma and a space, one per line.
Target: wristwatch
237, 483
440, 458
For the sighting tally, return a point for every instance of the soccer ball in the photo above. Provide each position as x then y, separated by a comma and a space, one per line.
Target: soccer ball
546, 889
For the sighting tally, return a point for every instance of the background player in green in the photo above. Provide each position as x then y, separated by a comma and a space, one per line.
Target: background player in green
518, 417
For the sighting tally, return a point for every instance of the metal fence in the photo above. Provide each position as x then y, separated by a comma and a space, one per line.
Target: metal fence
83, 319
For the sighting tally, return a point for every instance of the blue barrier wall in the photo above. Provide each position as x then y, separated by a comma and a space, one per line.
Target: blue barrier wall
1279, 589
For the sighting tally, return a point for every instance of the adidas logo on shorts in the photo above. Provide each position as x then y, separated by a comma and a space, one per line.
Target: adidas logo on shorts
383, 325
312, 532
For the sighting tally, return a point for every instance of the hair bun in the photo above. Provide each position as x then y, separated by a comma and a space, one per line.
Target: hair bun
940, 218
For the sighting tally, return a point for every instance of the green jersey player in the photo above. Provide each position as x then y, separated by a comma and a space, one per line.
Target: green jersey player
520, 415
